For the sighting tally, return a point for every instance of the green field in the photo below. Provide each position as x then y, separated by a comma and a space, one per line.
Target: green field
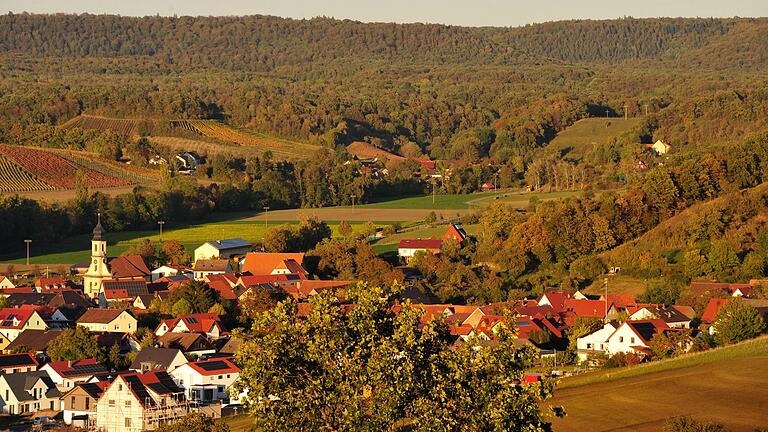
578, 140
469, 201
77, 249
389, 243
726, 385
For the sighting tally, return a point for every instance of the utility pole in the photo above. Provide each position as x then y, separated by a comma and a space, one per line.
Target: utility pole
353, 202
495, 181
433, 191
266, 216
606, 113
27, 242
606, 300
161, 223
646, 110
625, 111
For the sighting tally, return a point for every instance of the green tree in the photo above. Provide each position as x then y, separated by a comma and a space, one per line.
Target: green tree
195, 422
372, 369
197, 295
75, 344
671, 343
722, 258
182, 307
737, 321
345, 229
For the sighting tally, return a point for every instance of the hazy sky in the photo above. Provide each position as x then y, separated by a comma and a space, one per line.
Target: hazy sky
461, 12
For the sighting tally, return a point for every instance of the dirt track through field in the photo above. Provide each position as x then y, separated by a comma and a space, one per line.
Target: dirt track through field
358, 214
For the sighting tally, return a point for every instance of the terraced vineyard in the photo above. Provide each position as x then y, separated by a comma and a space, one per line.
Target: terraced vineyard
126, 127
84, 159
14, 178
56, 171
280, 148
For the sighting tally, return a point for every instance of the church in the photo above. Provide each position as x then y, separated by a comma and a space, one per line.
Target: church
102, 268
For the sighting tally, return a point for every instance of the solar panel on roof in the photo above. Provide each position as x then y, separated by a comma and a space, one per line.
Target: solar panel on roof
138, 387
7, 323
214, 365
192, 320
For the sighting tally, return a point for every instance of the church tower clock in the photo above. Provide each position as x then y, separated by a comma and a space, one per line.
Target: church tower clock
97, 270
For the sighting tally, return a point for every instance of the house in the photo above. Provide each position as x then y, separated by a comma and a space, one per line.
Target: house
17, 363
231, 346
673, 317
208, 380
158, 359
121, 293
108, 320
171, 270
13, 321
126, 342
226, 285
28, 392
6, 283
189, 343
208, 324
65, 316
143, 301
557, 299
595, 342
620, 301
79, 404
711, 311
222, 249
409, 247
456, 233
34, 341
140, 401
591, 309
263, 263
52, 284
69, 373
661, 147
207, 267
634, 336
488, 186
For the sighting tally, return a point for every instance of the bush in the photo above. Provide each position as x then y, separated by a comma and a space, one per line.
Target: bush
621, 360
688, 424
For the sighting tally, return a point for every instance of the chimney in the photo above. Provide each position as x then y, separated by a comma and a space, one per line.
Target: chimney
69, 363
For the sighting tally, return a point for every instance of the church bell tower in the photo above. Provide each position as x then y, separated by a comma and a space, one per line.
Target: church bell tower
97, 270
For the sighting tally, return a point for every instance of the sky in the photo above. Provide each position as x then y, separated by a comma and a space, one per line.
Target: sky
456, 12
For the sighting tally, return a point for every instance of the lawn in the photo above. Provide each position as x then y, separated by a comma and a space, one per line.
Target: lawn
442, 201
579, 140
77, 249
725, 385
239, 423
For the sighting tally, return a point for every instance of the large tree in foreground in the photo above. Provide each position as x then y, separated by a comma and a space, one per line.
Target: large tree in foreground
376, 367
737, 321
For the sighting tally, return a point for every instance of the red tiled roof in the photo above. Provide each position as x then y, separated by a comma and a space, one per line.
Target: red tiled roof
261, 263
15, 318
456, 232
196, 323
55, 282
621, 300
713, 307
77, 368
557, 298
128, 266
587, 308
427, 244
17, 290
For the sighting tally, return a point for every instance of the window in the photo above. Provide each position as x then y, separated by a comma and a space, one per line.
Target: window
87, 403
621, 339
127, 422
227, 375
632, 340
120, 387
111, 403
220, 376
72, 403
128, 403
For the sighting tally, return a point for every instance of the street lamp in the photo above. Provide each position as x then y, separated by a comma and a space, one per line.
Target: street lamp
266, 216
27, 242
161, 223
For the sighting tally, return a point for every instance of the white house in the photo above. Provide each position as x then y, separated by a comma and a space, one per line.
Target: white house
661, 147
108, 320
207, 267
208, 324
6, 283
595, 342
208, 380
28, 392
634, 336
407, 248
13, 321
68, 374
670, 315
171, 270
225, 249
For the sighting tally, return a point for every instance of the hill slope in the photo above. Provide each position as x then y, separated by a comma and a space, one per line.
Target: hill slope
578, 140
726, 385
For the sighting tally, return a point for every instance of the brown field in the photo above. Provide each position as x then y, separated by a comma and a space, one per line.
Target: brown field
66, 195
727, 386
203, 147
364, 151
126, 127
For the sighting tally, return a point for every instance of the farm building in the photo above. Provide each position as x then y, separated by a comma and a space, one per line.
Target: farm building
408, 248
222, 249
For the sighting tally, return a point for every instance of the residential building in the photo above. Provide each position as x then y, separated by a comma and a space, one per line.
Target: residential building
17, 363
222, 249
171, 270
661, 147
79, 404
52, 284
140, 401
121, 293
69, 373
673, 317
207, 267
595, 342
194, 344
455, 232
34, 341
208, 381
634, 336
6, 283
263, 263
208, 324
108, 320
13, 321
410, 247
27, 392
149, 359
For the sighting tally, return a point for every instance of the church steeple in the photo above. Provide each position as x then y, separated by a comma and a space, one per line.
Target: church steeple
98, 231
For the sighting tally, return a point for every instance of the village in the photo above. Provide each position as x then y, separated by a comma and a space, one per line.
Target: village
187, 364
